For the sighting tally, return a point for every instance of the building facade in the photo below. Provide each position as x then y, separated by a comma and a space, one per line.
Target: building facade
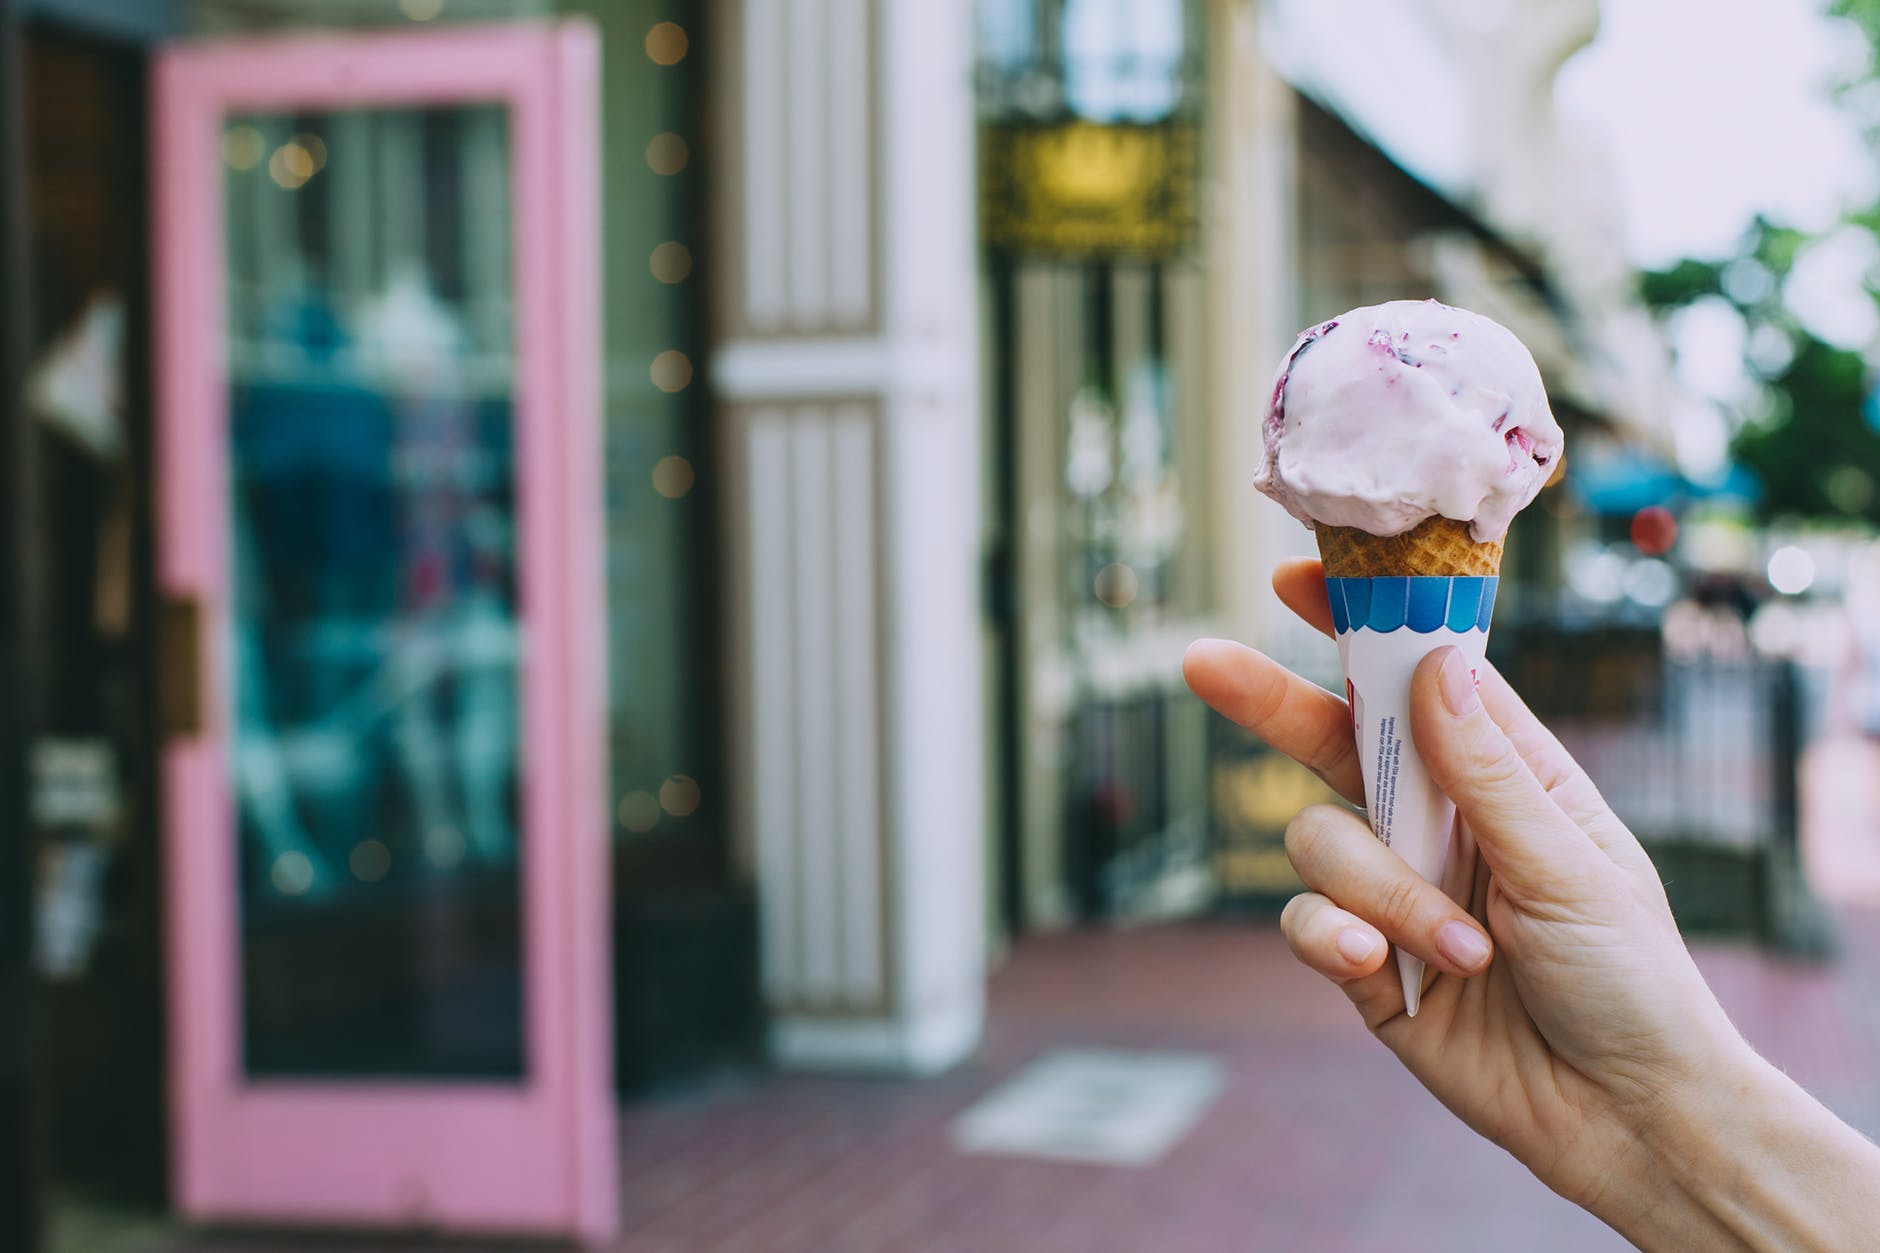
928, 353
788, 486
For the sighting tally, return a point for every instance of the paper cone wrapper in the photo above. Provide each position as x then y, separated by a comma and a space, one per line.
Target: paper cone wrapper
1387, 622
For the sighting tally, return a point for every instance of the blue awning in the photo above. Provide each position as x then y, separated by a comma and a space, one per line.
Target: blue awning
1628, 480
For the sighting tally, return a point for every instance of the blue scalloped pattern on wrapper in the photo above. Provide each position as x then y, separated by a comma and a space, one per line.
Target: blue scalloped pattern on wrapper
1422, 603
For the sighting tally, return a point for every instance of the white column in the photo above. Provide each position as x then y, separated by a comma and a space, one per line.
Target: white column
846, 378
1251, 240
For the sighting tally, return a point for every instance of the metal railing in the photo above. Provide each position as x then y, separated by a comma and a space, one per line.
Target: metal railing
1699, 756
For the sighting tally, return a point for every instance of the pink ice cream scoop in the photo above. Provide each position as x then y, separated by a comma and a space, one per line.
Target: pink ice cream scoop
1394, 413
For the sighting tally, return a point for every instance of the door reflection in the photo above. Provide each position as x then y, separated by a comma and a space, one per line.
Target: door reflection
375, 641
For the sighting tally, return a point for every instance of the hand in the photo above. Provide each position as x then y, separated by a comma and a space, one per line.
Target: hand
1562, 1017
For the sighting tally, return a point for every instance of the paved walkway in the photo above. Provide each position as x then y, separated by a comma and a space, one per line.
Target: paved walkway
1840, 790
1319, 1141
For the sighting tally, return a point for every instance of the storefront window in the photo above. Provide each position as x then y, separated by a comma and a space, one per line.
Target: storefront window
374, 650
1090, 143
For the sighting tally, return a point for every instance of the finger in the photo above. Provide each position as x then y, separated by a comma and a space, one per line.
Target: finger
1318, 933
1299, 582
1378, 998
1298, 718
1532, 847
1338, 944
1300, 585
1562, 776
1336, 855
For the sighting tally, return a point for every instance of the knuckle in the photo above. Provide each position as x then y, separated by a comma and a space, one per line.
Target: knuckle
1377, 1003
1291, 917
1397, 905
1332, 752
1301, 834
1265, 705
1494, 764
1307, 833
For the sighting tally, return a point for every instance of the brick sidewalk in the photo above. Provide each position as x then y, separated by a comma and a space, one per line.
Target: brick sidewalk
1319, 1140
1840, 788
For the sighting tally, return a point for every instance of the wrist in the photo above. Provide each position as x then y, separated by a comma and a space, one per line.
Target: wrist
1666, 1146
1744, 1158
1685, 1130
1693, 1152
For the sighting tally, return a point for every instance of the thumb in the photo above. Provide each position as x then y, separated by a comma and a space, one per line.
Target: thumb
1533, 848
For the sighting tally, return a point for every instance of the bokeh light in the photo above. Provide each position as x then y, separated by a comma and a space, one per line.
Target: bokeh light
369, 861
315, 148
1654, 530
671, 262
291, 874
638, 812
291, 166
673, 477
667, 153
243, 147
444, 847
679, 795
672, 371
667, 44
1117, 586
1791, 570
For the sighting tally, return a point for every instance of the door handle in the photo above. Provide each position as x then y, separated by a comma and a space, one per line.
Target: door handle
179, 668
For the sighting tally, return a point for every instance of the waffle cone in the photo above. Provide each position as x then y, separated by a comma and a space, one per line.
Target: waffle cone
1435, 546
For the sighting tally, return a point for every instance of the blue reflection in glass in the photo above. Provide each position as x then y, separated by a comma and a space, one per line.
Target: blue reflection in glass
375, 647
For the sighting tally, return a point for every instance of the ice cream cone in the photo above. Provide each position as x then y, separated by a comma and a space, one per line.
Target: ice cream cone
1435, 546
1379, 417
1395, 599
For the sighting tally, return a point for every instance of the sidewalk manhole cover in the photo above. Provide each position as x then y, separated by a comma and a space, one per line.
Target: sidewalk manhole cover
1093, 1105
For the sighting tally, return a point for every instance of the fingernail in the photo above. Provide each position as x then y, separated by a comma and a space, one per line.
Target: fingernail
1458, 684
1462, 944
1356, 946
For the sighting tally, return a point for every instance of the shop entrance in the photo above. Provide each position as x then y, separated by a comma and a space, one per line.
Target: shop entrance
1101, 461
1091, 138
380, 584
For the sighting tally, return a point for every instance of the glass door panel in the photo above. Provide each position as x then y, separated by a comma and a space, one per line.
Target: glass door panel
374, 636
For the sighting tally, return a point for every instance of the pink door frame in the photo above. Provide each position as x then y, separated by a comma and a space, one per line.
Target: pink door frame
537, 1155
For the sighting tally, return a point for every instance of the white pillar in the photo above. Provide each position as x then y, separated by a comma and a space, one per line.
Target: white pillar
1252, 243
847, 385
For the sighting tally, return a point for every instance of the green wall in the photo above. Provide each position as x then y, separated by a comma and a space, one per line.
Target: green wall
660, 572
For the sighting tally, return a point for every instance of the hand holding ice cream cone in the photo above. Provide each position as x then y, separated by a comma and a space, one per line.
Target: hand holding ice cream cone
1562, 1016
1587, 1045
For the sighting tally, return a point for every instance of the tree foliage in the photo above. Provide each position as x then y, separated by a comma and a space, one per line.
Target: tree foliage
1812, 432
1815, 452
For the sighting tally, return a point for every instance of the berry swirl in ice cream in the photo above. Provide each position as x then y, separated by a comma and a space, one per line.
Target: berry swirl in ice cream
1396, 413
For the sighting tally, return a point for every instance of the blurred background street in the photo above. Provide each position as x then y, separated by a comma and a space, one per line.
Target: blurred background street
592, 650
1347, 1152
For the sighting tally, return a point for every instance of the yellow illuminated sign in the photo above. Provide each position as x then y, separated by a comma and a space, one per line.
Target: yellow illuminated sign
1082, 189
1255, 796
